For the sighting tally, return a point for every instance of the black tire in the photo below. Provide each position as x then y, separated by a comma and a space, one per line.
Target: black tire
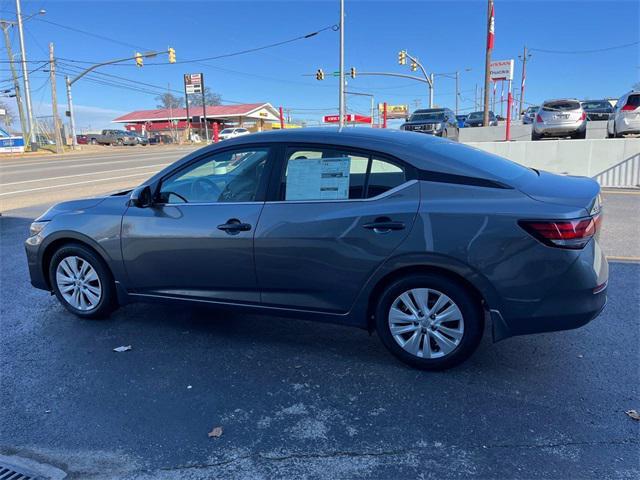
535, 136
93, 141
107, 302
580, 135
469, 307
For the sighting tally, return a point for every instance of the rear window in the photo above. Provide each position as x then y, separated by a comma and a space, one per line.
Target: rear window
595, 105
561, 106
634, 101
488, 165
475, 115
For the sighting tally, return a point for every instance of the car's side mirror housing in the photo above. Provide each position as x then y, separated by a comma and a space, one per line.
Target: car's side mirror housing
141, 197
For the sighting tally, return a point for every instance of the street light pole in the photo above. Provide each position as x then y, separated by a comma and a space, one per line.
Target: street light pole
72, 121
431, 88
25, 76
341, 75
16, 84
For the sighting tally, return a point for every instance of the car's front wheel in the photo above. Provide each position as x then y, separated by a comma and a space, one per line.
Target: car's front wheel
82, 282
429, 321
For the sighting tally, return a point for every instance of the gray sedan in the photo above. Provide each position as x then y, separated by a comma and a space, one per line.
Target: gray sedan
418, 238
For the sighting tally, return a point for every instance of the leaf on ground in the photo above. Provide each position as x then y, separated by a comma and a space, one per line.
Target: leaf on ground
124, 348
633, 414
215, 433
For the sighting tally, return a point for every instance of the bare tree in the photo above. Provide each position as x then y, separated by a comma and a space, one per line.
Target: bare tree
210, 98
169, 100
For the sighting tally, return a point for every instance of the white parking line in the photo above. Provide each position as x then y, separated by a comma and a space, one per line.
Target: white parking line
77, 183
84, 174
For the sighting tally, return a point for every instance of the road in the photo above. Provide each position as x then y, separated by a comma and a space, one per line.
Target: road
298, 399
41, 180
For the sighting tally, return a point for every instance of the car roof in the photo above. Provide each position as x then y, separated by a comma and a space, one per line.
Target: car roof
424, 152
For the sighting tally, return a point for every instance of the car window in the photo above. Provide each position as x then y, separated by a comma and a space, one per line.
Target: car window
227, 130
335, 174
561, 106
230, 176
634, 100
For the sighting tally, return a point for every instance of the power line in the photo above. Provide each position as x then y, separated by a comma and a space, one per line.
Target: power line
578, 52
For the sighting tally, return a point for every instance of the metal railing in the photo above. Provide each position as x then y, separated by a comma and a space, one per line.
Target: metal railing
623, 174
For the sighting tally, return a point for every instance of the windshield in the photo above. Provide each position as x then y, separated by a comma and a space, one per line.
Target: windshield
475, 115
434, 116
227, 130
595, 105
532, 109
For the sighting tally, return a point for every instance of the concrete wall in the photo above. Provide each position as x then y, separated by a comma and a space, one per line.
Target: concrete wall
614, 162
596, 129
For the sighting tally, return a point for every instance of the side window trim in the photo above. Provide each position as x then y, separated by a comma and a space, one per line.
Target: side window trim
280, 161
263, 186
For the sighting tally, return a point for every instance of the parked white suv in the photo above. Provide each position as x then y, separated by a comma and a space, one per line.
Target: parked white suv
560, 118
232, 132
626, 115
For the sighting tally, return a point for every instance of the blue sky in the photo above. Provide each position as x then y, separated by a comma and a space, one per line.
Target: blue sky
445, 35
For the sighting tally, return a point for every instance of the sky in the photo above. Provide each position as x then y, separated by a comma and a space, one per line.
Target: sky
446, 36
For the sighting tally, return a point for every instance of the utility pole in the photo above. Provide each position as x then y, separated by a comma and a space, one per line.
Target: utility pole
54, 100
14, 74
490, 39
457, 91
525, 57
72, 121
25, 77
341, 74
431, 88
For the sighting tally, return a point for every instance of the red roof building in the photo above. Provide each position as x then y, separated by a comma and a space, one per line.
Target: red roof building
253, 116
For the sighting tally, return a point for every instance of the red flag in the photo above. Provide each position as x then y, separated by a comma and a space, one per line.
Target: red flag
492, 26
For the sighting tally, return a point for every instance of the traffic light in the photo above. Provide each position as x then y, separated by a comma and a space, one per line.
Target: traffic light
402, 57
138, 59
414, 66
172, 55
319, 74
353, 72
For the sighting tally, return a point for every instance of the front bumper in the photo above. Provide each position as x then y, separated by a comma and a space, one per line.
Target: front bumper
34, 263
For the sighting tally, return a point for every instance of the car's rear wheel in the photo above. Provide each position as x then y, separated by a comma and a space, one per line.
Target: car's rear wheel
535, 136
82, 282
429, 321
580, 135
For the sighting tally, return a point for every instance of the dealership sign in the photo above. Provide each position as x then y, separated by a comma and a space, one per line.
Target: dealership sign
394, 111
501, 70
349, 118
193, 83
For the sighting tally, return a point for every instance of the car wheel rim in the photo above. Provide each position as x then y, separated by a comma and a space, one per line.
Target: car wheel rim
426, 323
78, 283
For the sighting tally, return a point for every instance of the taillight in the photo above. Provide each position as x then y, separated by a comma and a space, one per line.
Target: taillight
539, 118
573, 234
583, 117
628, 108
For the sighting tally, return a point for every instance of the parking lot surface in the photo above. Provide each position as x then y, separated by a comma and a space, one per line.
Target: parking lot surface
297, 399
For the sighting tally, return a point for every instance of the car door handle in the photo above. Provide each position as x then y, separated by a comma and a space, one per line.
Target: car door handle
384, 225
234, 226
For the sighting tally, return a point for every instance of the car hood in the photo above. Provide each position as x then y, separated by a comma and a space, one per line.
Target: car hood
562, 189
71, 206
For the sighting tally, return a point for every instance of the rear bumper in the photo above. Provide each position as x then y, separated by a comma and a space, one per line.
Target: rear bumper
576, 297
559, 129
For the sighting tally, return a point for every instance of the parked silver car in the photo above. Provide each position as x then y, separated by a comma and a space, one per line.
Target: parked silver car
560, 118
530, 114
625, 118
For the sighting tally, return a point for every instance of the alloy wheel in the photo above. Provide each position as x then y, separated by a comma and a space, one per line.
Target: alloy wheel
426, 323
78, 283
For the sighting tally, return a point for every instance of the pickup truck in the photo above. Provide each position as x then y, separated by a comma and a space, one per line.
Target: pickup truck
111, 137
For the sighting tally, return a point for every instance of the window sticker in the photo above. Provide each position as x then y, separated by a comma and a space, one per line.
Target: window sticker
318, 179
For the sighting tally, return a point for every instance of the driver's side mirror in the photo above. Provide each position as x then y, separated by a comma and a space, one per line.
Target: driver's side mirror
141, 197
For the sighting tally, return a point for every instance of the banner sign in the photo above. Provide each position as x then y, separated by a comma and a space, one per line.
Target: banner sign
349, 118
394, 111
193, 83
501, 70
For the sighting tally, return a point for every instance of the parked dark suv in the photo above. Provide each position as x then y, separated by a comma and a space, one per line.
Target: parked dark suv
441, 122
412, 236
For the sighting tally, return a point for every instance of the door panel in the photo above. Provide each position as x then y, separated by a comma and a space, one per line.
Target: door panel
318, 255
179, 250
196, 241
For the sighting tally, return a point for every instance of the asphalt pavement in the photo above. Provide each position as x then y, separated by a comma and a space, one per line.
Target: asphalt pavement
297, 399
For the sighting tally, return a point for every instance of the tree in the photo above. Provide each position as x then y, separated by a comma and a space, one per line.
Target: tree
210, 98
169, 100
